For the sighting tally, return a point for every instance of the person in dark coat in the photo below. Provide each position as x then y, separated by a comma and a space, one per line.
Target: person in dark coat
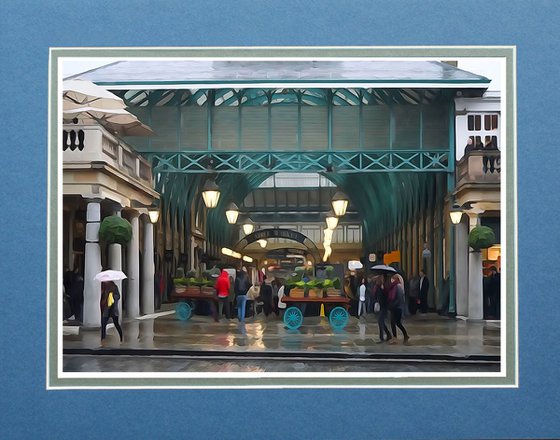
109, 304
494, 294
77, 294
381, 297
424, 285
266, 295
413, 295
488, 161
241, 287
396, 306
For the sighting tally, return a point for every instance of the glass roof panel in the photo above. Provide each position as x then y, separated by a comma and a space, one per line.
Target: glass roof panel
167, 72
296, 180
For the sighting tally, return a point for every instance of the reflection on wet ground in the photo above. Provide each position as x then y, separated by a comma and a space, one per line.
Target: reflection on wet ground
430, 335
172, 364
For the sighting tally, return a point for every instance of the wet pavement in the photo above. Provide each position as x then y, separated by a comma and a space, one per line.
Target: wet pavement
263, 344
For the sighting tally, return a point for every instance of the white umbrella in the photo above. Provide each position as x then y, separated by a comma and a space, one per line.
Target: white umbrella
119, 121
110, 275
80, 93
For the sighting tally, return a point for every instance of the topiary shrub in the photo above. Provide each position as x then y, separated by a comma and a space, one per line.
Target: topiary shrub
481, 237
115, 229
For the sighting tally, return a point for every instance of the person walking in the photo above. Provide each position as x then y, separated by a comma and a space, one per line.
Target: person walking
109, 307
381, 298
281, 304
76, 294
362, 298
222, 288
266, 295
231, 297
424, 287
241, 286
397, 303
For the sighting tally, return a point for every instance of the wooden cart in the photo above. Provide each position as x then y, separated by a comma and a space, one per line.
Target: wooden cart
186, 296
338, 317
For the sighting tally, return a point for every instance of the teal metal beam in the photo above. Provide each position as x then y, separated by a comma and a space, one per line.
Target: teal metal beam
329, 119
209, 107
272, 162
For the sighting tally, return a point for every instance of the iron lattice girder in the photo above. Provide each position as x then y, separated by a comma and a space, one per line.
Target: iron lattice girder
273, 162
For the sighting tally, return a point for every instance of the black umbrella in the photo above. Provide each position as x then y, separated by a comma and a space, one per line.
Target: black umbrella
382, 269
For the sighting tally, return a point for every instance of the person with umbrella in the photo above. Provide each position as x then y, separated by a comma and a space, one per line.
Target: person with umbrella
396, 306
380, 293
109, 302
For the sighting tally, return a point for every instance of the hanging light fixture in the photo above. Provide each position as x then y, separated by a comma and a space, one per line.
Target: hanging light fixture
332, 220
262, 242
455, 213
210, 193
227, 251
232, 212
153, 213
339, 203
248, 226
328, 234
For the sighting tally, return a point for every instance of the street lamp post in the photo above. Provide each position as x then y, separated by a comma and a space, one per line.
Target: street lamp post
455, 213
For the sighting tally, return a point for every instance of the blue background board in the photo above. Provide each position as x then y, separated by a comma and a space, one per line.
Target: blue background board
27, 410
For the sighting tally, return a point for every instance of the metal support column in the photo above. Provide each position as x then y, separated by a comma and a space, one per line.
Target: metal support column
450, 188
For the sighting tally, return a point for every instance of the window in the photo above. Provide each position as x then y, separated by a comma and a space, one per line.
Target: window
353, 234
490, 122
474, 123
481, 127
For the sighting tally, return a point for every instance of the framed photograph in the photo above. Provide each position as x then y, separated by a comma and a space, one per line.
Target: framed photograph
416, 145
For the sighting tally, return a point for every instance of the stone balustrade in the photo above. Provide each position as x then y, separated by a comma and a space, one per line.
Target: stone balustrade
479, 167
93, 144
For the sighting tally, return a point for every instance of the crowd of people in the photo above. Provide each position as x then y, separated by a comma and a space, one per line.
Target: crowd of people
383, 295
386, 293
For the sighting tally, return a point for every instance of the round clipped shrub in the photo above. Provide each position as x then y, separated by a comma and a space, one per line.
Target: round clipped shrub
115, 229
481, 237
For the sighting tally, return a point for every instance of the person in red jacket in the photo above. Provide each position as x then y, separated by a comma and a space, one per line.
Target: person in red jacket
222, 288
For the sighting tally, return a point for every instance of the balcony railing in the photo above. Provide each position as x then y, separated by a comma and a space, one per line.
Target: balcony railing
90, 143
479, 167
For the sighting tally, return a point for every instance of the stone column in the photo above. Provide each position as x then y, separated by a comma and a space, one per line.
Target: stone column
462, 267
475, 276
115, 261
191, 259
148, 268
133, 270
92, 288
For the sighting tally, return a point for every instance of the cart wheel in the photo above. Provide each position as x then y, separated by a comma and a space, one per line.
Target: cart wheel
183, 311
293, 318
338, 318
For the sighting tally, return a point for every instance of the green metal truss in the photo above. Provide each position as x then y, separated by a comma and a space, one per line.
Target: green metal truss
274, 162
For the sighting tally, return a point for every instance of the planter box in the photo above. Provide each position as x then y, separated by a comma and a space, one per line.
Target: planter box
208, 291
180, 290
315, 293
297, 293
333, 292
186, 290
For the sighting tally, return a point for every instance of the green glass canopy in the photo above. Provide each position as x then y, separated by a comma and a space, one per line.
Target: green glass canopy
201, 72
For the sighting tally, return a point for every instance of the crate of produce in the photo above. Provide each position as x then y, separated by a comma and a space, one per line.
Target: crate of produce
332, 292
297, 293
315, 293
